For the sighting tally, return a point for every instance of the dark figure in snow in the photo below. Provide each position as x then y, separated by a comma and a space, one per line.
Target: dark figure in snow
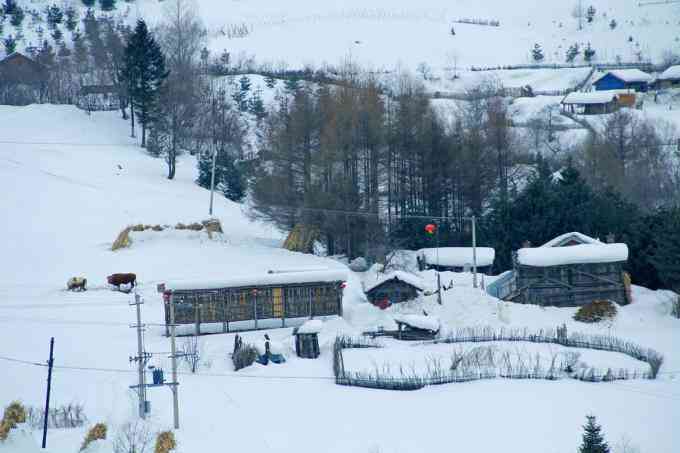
122, 279
453, 32
238, 342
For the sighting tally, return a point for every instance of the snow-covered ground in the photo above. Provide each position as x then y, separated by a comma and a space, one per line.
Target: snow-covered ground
71, 182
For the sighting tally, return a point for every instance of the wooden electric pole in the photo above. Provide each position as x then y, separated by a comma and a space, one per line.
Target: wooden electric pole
50, 363
173, 352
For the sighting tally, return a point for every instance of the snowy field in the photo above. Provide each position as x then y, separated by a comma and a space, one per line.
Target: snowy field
71, 182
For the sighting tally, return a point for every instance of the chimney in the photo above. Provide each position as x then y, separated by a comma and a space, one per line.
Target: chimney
610, 238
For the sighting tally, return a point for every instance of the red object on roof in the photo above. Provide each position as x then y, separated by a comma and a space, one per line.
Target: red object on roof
430, 228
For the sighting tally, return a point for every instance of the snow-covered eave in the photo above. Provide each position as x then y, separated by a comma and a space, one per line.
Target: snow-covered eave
585, 239
259, 280
457, 256
626, 75
409, 279
575, 254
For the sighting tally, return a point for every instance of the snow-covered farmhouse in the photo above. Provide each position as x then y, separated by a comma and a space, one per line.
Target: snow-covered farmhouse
394, 288
22, 80
670, 78
570, 270
623, 79
456, 259
591, 103
275, 299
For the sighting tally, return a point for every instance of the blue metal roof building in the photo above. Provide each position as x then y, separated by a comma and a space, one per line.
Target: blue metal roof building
623, 79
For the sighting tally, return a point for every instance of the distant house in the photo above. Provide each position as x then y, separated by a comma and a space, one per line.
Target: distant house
623, 79
570, 270
455, 259
670, 78
394, 288
592, 103
22, 80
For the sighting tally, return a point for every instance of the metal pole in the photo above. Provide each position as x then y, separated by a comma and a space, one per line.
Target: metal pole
49, 389
140, 357
212, 182
474, 252
439, 280
173, 352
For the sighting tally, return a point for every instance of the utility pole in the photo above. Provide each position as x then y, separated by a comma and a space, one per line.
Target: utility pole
173, 352
474, 252
439, 280
141, 358
50, 363
212, 182
580, 14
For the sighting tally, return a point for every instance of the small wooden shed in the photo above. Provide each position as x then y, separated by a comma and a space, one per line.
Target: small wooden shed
591, 103
416, 327
307, 339
394, 288
571, 270
670, 78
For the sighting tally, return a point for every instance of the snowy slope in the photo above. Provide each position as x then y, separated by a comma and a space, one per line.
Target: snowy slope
65, 199
385, 33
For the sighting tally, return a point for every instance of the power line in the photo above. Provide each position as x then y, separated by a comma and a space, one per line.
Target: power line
13, 142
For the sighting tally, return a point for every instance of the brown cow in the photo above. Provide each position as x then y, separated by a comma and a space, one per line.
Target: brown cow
122, 279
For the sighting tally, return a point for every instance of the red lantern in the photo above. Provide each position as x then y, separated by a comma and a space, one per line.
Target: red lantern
343, 285
430, 228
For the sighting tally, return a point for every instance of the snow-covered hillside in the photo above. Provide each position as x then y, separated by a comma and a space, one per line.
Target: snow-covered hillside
382, 34
71, 182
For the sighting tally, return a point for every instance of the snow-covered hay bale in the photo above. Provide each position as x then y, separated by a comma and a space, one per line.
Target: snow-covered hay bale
124, 238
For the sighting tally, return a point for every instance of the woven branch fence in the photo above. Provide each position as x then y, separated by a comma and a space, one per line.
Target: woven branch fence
465, 370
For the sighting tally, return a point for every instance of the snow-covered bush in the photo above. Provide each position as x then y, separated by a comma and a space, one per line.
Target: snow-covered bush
133, 437
97, 432
596, 311
359, 264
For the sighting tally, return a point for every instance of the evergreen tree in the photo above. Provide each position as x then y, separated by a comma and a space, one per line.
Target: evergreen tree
270, 82
71, 18
573, 51
537, 53
89, 3
228, 178
54, 16
10, 6
588, 53
241, 95
666, 248
17, 16
590, 13
107, 5
292, 84
613, 24
57, 35
10, 44
256, 104
593, 441
143, 73
80, 54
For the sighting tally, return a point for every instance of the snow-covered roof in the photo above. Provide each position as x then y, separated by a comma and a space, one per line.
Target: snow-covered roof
672, 73
405, 277
575, 235
259, 280
576, 254
592, 97
311, 326
419, 321
457, 256
627, 75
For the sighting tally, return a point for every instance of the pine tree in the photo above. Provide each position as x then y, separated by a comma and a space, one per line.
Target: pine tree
10, 6
256, 105
10, 44
613, 24
89, 3
593, 441
573, 52
588, 53
666, 248
590, 14
270, 82
228, 178
57, 35
107, 5
537, 53
54, 16
292, 84
17, 16
144, 73
241, 95
71, 18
